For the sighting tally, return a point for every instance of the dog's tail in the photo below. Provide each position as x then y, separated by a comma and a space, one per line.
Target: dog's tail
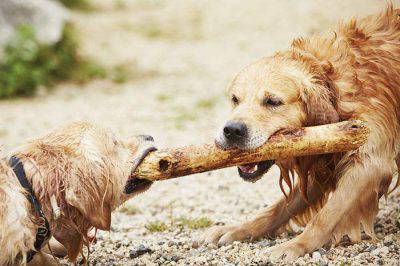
17, 232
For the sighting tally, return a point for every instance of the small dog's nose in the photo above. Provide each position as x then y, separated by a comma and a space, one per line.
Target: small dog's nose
235, 130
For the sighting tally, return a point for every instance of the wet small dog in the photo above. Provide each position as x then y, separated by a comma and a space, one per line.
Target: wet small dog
351, 74
78, 174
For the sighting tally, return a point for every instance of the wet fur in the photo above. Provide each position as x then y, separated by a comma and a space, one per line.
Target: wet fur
353, 73
85, 167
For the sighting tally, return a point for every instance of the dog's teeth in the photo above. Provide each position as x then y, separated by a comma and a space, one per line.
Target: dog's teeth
248, 169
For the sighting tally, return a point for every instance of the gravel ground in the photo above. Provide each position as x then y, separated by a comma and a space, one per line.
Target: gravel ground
180, 55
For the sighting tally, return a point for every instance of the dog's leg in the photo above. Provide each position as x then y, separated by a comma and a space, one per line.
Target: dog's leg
43, 259
55, 248
72, 241
268, 221
354, 202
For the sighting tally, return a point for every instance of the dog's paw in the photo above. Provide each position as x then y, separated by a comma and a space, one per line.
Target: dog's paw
288, 251
224, 235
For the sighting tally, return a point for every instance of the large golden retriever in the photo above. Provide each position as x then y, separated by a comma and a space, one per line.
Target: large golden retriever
79, 174
353, 73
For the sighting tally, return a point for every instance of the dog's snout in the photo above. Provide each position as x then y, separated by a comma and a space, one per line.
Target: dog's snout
235, 130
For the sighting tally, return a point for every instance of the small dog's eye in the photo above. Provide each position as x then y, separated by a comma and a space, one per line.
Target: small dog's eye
273, 102
235, 100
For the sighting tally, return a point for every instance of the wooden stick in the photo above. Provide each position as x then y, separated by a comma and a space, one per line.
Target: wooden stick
176, 162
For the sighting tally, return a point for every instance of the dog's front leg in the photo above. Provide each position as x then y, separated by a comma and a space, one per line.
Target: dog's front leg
267, 222
43, 259
354, 201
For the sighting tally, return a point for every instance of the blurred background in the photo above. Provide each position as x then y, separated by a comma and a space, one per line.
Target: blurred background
155, 67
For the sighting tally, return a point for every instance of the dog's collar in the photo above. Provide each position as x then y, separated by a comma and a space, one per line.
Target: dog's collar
43, 233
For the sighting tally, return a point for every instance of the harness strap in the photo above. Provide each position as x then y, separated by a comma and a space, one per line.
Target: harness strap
43, 232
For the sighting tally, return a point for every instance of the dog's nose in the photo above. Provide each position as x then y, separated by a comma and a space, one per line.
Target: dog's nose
235, 130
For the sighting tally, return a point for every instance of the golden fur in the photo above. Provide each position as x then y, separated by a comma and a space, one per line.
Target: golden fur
353, 73
85, 167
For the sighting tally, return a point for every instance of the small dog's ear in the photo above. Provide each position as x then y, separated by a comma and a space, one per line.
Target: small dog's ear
93, 208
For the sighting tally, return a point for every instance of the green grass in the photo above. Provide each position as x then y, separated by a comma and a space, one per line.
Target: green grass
154, 31
129, 209
27, 64
156, 226
196, 223
182, 116
174, 28
120, 74
163, 97
77, 4
207, 103
179, 223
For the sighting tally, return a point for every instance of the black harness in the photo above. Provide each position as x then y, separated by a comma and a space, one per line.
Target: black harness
43, 233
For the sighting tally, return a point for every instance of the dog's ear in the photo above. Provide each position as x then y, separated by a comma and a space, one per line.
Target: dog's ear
320, 100
319, 108
93, 207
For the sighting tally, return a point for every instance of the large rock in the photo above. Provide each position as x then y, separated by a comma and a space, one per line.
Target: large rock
47, 17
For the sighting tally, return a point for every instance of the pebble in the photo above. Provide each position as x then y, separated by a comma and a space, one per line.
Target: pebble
370, 248
168, 248
380, 251
266, 243
316, 256
141, 250
322, 251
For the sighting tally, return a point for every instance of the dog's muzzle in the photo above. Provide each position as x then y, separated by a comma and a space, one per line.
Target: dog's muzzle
136, 185
254, 171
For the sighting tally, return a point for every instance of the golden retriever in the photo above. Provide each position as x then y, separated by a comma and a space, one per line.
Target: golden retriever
353, 73
79, 174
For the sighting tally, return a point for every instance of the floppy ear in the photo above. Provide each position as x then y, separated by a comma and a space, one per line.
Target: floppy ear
319, 108
320, 100
92, 206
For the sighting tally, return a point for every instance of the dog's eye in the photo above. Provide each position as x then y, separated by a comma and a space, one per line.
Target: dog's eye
234, 99
273, 102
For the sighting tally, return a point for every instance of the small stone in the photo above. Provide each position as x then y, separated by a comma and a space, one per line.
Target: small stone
380, 251
224, 248
378, 227
119, 254
195, 244
266, 243
388, 241
141, 250
316, 256
370, 248
322, 251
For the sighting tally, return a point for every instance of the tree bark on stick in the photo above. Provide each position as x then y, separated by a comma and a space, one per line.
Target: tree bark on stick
175, 162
